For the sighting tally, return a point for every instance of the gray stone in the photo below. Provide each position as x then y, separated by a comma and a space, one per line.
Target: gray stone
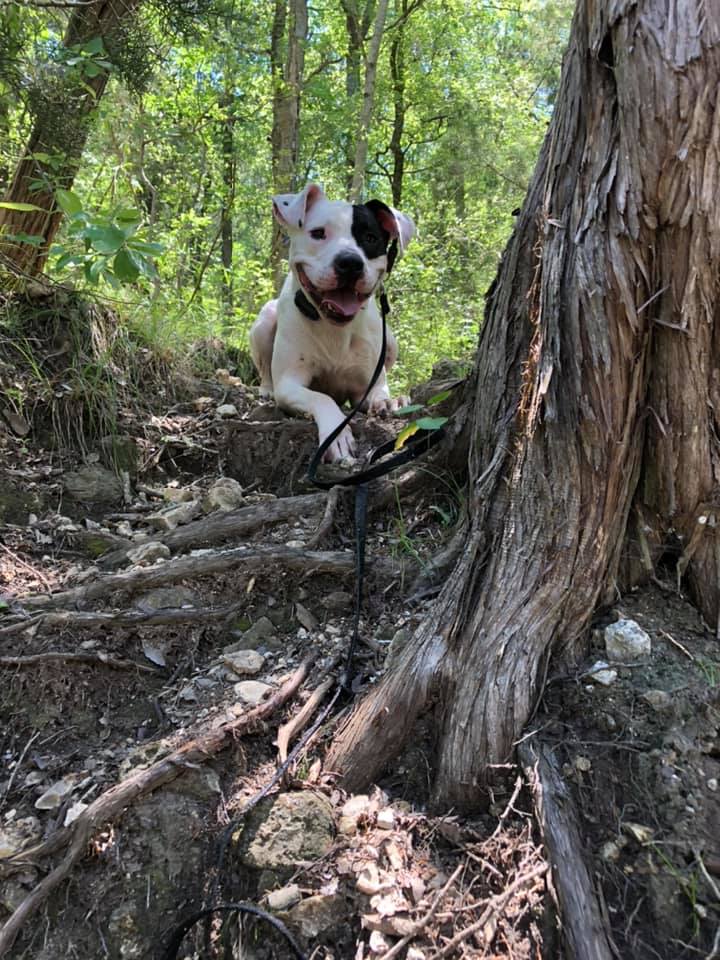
120, 453
317, 915
626, 641
251, 692
93, 484
601, 673
149, 552
175, 516
167, 598
12, 895
227, 410
659, 700
244, 663
286, 831
54, 795
284, 898
224, 494
15, 836
261, 630
337, 602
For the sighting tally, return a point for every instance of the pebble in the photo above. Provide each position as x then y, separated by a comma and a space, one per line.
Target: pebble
712, 784
601, 673
386, 819
226, 410
54, 795
148, 553
658, 699
244, 663
626, 641
284, 898
251, 691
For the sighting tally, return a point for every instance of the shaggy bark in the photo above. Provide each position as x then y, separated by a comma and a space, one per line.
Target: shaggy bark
366, 109
595, 369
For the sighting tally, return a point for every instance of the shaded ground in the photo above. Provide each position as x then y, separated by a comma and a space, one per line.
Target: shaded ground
352, 877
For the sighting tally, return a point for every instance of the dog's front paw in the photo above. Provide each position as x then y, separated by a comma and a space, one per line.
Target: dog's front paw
342, 447
381, 406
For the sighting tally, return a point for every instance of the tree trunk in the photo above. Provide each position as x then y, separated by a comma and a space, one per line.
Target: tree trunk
365, 118
597, 368
397, 75
60, 129
357, 24
286, 108
227, 139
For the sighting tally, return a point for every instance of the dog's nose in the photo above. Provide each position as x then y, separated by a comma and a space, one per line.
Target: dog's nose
348, 266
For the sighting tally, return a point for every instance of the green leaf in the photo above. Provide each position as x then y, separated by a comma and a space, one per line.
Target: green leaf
91, 69
126, 266
20, 207
142, 246
411, 408
94, 46
439, 397
128, 215
69, 202
431, 423
107, 239
68, 260
34, 239
410, 430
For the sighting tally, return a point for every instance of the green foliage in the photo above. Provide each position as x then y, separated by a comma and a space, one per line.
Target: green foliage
112, 250
479, 85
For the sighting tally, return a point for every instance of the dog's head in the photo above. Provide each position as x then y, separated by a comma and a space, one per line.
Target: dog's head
339, 251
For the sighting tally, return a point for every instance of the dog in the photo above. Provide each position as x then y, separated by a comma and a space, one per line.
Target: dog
317, 345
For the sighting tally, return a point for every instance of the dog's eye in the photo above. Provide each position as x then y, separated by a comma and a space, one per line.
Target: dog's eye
318, 233
372, 239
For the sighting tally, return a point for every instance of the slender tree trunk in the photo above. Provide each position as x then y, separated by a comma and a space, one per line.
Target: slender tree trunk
286, 107
357, 24
366, 110
228, 202
60, 129
595, 388
397, 74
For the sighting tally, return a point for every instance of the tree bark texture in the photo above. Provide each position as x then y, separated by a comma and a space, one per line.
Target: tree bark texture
61, 128
357, 22
287, 96
397, 74
366, 108
595, 390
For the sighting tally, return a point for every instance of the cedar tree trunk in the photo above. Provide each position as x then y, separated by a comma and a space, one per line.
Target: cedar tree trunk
61, 128
593, 397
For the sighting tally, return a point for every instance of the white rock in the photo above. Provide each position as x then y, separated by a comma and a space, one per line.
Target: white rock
173, 517
148, 553
626, 641
244, 663
712, 784
251, 691
74, 812
284, 898
224, 494
601, 673
386, 819
226, 410
54, 795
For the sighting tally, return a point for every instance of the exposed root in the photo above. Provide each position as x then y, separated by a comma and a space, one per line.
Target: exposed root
59, 656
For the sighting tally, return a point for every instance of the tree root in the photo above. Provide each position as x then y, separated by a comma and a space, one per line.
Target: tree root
58, 656
114, 801
221, 526
583, 929
120, 618
337, 563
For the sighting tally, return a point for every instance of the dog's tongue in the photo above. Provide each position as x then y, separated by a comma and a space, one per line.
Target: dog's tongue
344, 302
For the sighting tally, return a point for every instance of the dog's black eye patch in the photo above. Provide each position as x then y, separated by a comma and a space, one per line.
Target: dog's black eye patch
367, 232
318, 233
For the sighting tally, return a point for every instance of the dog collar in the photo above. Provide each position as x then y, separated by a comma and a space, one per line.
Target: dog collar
305, 307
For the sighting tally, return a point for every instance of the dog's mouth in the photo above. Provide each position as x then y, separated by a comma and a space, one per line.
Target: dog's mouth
339, 304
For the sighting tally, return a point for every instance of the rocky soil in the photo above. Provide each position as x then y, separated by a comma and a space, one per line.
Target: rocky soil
162, 585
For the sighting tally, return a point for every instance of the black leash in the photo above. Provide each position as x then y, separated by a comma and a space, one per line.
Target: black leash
179, 933
414, 447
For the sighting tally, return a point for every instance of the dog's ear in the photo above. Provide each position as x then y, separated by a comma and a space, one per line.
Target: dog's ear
398, 225
290, 209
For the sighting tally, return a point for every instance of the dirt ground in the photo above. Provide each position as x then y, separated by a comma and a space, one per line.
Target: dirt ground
88, 702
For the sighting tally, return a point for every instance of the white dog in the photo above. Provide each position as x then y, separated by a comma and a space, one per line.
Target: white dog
317, 345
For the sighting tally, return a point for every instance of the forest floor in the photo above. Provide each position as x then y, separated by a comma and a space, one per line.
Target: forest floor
147, 609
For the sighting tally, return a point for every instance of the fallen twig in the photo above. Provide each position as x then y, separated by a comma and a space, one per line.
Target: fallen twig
288, 730
425, 920
52, 656
114, 801
495, 905
327, 521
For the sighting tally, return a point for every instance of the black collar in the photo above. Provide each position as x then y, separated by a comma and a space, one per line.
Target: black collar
305, 307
